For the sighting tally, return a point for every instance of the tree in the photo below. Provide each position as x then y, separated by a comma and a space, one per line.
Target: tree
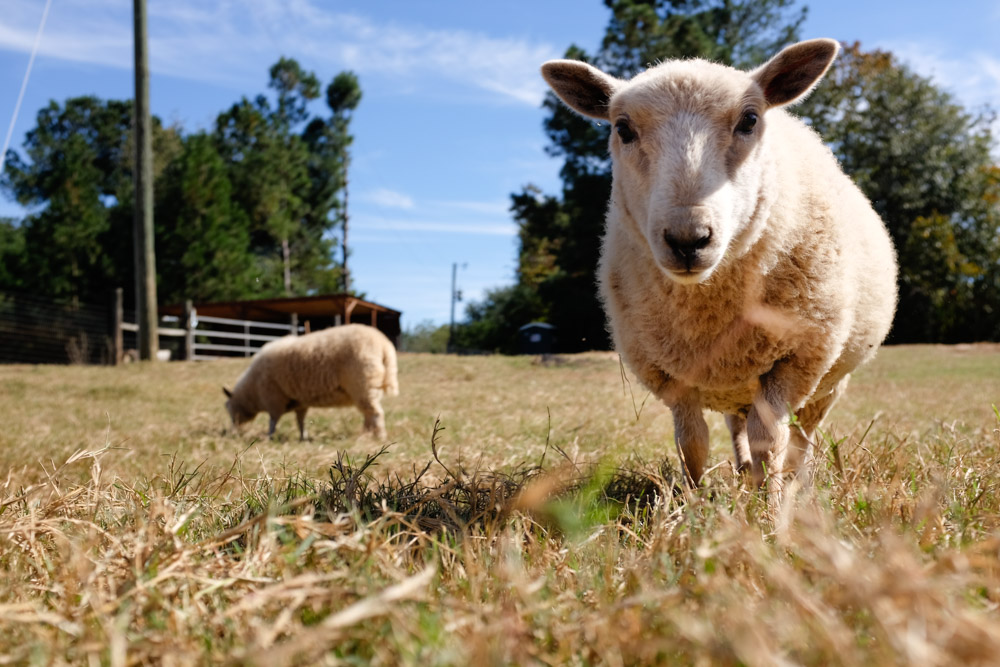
560, 236
249, 210
202, 239
288, 170
493, 323
267, 166
925, 164
342, 96
11, 255
78, 175
425, 337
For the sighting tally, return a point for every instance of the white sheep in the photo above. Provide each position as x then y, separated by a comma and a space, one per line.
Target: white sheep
741, 270
346, 365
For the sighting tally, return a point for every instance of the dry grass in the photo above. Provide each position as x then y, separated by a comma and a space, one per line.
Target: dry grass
541, 525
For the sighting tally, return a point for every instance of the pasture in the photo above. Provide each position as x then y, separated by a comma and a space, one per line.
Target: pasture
523, 513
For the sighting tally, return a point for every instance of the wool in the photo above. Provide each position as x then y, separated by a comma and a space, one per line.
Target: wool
347, 365
741, 270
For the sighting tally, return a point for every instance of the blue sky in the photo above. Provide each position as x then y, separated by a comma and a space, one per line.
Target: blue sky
449, 124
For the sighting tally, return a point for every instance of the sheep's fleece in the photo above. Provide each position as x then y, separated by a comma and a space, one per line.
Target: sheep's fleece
352, 364
741, 270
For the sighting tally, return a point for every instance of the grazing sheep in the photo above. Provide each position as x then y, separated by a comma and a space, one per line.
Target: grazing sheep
347, 365
741, 270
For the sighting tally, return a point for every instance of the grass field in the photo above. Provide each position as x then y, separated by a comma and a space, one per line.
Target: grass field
542, 527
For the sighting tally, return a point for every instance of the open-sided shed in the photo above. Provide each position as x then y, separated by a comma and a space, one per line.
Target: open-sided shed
313, 312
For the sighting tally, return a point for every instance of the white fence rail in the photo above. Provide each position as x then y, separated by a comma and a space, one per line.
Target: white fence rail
232, 336
207, 338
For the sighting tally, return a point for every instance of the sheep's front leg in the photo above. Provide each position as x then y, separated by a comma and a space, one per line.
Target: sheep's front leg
801, 444
273, 425
783, 388
691, 435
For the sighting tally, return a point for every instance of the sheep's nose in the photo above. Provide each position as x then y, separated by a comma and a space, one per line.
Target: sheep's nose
686, 246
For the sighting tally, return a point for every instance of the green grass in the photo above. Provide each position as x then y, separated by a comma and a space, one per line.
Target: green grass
522, 513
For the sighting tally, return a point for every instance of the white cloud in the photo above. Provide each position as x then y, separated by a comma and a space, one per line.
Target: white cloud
973, 78
367, 224
388, 199
233, 38
497, 208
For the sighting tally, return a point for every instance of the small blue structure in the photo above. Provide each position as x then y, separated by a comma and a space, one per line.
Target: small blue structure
536, 338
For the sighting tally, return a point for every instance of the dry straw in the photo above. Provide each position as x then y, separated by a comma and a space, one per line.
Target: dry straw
891, 557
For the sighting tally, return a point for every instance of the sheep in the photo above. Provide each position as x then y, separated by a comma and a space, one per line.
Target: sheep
352, 364
741, 270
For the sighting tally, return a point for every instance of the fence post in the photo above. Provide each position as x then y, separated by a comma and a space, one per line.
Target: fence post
188, 330
117, 318
295, 324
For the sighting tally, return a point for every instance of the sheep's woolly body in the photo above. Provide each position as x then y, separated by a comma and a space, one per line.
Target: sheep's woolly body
347, 365
741, 270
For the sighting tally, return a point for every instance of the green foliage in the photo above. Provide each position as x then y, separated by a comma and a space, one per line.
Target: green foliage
202, 239
78, 178
248, 210
425, 337
11, 253
295, 88
925, 163
560, 236
641, 32
494, 322
343, 94
287, 177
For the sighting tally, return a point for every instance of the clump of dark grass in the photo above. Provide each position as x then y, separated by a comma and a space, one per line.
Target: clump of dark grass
460, 500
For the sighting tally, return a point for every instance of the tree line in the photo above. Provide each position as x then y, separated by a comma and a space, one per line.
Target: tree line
249, 208
922, 159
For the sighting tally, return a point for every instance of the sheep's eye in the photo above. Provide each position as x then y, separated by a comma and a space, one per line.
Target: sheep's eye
747, 123
625, 131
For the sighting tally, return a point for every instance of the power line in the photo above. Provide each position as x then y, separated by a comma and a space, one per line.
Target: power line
24, 84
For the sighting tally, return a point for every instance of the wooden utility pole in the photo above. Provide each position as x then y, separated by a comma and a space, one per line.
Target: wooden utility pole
451, 326
145, 257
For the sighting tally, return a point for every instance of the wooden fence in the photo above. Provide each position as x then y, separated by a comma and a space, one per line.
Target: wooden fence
228, 337
39, 330
205, 338
35, 329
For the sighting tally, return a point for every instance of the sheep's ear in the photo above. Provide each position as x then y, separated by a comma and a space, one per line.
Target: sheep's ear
228, 393
584, 88
795, 70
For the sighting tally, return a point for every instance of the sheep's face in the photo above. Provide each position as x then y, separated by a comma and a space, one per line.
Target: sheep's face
237, 413
688, 146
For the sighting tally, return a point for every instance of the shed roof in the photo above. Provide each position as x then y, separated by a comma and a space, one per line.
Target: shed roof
536, 325
279, 309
